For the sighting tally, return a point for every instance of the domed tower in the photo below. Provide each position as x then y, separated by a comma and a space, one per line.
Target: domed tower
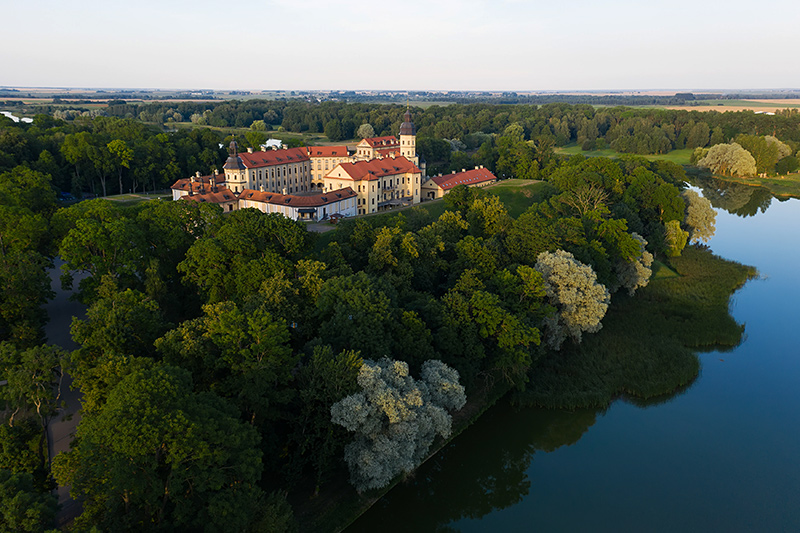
408, 138
235, 170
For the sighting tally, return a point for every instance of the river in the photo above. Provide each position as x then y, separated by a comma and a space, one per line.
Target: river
723, 455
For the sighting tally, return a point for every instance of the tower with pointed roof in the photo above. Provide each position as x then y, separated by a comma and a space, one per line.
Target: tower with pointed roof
234, 168
408, 138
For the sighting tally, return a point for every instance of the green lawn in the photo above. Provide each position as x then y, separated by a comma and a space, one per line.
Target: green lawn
680, 157
518, 195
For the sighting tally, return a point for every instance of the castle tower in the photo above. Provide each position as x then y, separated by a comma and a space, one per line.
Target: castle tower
408, 139
235, 170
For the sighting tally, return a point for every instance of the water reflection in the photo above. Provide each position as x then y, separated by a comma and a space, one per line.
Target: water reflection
484, 470
735, 198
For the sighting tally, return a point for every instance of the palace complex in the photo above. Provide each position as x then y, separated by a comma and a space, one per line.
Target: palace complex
313, 183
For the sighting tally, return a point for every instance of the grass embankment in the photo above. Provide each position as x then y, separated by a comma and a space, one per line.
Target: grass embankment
646, 347
680, 157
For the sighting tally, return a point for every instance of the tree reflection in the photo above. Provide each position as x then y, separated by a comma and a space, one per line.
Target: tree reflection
735, 198
484, 470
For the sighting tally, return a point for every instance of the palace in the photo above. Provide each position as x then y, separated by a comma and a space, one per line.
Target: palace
313, 183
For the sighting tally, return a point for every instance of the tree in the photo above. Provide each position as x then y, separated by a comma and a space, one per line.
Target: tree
325, 379
395, 418
122, 155
729, 160
29, 189
258, 125
255, 139
333, 130
160, 455
675, 238
240, 251
355, 313
244, 357
571, 287
635, 273
700, 217
120, 327
34, 378
100, 240
24, 508
365, 131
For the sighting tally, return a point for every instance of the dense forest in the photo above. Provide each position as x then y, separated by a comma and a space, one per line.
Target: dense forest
129, 147
233, 367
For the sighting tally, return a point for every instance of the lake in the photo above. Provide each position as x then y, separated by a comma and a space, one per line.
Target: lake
723, 455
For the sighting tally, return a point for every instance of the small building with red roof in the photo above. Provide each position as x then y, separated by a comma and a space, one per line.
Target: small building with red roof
198, 184
312, 207
438, 186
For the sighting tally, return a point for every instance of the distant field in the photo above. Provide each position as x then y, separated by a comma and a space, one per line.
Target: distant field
680, 157
722, 106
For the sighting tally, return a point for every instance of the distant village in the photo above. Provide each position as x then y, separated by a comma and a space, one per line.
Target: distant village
327, 182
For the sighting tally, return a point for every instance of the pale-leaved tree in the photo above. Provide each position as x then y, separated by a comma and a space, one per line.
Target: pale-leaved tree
395, 418
729, 160
365, 131
700, 217
571, 286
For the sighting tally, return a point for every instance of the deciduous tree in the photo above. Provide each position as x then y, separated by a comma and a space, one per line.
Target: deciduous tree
395, 418
571, 287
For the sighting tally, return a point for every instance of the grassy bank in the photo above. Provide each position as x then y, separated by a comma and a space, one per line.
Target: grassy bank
786, 186
680, 157
646, 347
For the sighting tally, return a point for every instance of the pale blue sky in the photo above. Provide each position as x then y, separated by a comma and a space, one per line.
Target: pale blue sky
435, 44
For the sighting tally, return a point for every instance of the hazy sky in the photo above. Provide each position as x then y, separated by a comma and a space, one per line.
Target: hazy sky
412, 44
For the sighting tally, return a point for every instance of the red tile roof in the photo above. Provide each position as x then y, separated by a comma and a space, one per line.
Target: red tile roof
380, 142
378, 168
314, 200
273, 157
200, 183
328, 151
386, 152
470, 177
222, 196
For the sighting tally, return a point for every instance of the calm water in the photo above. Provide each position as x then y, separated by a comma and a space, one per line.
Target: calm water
722, 456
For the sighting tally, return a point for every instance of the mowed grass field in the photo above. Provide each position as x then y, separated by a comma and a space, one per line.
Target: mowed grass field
680, 157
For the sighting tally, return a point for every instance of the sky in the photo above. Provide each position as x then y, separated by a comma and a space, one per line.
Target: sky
486, 45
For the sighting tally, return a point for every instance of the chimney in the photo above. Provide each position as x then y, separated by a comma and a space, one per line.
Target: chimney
213, 184
197, 173
462, 170
453, 172
284, 191
249, 149
261, 188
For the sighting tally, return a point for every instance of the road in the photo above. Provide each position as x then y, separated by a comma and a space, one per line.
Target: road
60, 311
